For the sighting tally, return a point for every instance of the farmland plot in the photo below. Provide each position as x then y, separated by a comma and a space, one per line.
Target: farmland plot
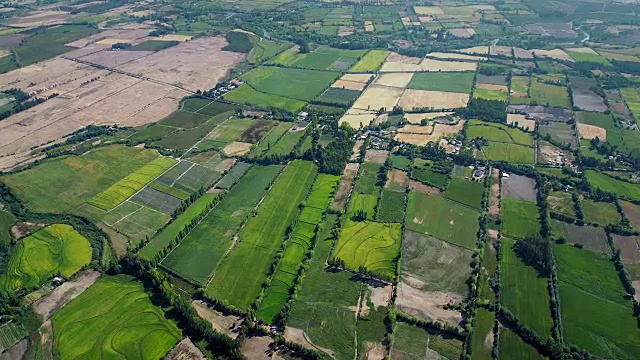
299, 84
261, 237
519, 218
414, 343
592, 238
200, 251
622, 188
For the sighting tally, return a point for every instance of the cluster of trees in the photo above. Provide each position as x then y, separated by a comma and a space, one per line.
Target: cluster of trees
487, 110
535, 251
22, 101
332, 158
442, 327
239, 41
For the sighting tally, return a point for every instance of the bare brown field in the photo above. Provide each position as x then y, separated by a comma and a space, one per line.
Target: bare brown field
500, 50
413, 139
39, 18
440, 65
184, 65
522, 121
629, 248
633, 213
114, 59
589, 132
356, 77
376, 97
376, 156
351, 85
64, 293
398, 177
257, 348
397, 58
390, 66
522, 53
494, 87
237, 148
554, 54
427, 304
432, 99
416, 118
185, 350
417, 129
399, 80
425, 189
226, 324
439, 130
346, 183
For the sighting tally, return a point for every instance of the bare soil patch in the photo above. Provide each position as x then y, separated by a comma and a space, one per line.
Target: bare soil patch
398, 177
629, 248
225, 165
381, 295
344, 188
591, 132
64, 293
114, 59
16, 351
374, 351
494, 201
399, 80
500, 50
425, 189
548, 153
416, 118
351, 85
416, 129
414, 139
226, 324
462, 32
522, 121
174, 37
427, 304
493, 87
23, 229
412, 98
519, 187
185, 350
300, 337
257, 348
237, 148
633, 213
376, 156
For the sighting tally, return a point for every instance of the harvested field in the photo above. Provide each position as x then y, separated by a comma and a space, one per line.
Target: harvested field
226, 324
397, 67
416, 118
428, 10
350, 85
376, 156
519, 187
416, 129
633, 213
439, 65
423, 188
397, 180
591, 132
174, 37
455, 56
257, 348
112, 59
439, 130
427, 304
397, 58
399, 80
414, 139
363, 78
376, 97
185, 350
116, 34
39, 18
522, 121
554, 54
629, 247
432, 99
237, 148
481, 50
357, 121
491, 87
462, 32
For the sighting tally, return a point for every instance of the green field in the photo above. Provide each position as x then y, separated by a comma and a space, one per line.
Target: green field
483, 322
426, 175
323, 58
465, 192
238, 279
287, 143
338, 96
371, 62
596, 315
114, 318
562, 203
10, 334
498, 133
391, 207
600, 213
411, 342
508, 152
269, 140
587, 57
444, 219
364, 196
200, 251
56, 249
399, 161
297, 247
168, 234
440, 265
153, 45
6, 222
550, 95
524, 293
607, 183
298, 84
135, 221
327, 317
184, 119
125, 188
632, 98
45, 187
511, 346
245, 94
460, 82
264, 50
519, 218
490, 94
372, 245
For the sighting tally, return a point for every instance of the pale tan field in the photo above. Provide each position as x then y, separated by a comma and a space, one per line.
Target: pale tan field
186, 64
426, 304
482, 50
237, 148
397, 58
440, 65
428, 10
376, 156
426, 19
113, 59
554, 54
399, 80
522, 53
522, 121
376, 97
432, 99
439, 130
494, 87
488, 8
591, 132
355, 120
368, 26
356, 77
416, 129
142, 13
416, 118
174, 37
441, 55
120, 35
500, 50
413, 139
351, 85
462, 32
39, 18
583, 50
399, 67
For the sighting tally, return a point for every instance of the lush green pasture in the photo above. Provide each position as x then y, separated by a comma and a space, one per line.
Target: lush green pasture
607, 183
45, 187
184, 119
125, 188
596, 314
245, 94
562, 203
411, 342
511, 346
338, 96
499, 133
482, 327
239, 278
323, 58
365, 191
363, 202
200, 251
399, 161
587, 57
287, 143
444, 219
519, 217
460, 82
391, 208
168, 234
296, 248
327, 317
465, 192
269, 140
371, 62
425, 175
632, 98
551, 95
372, 245
524, 293
56, 249
298, 84
439, 264
600, 213
490, 94
114, 318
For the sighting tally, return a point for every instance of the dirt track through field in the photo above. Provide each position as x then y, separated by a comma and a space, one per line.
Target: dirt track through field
64, 293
